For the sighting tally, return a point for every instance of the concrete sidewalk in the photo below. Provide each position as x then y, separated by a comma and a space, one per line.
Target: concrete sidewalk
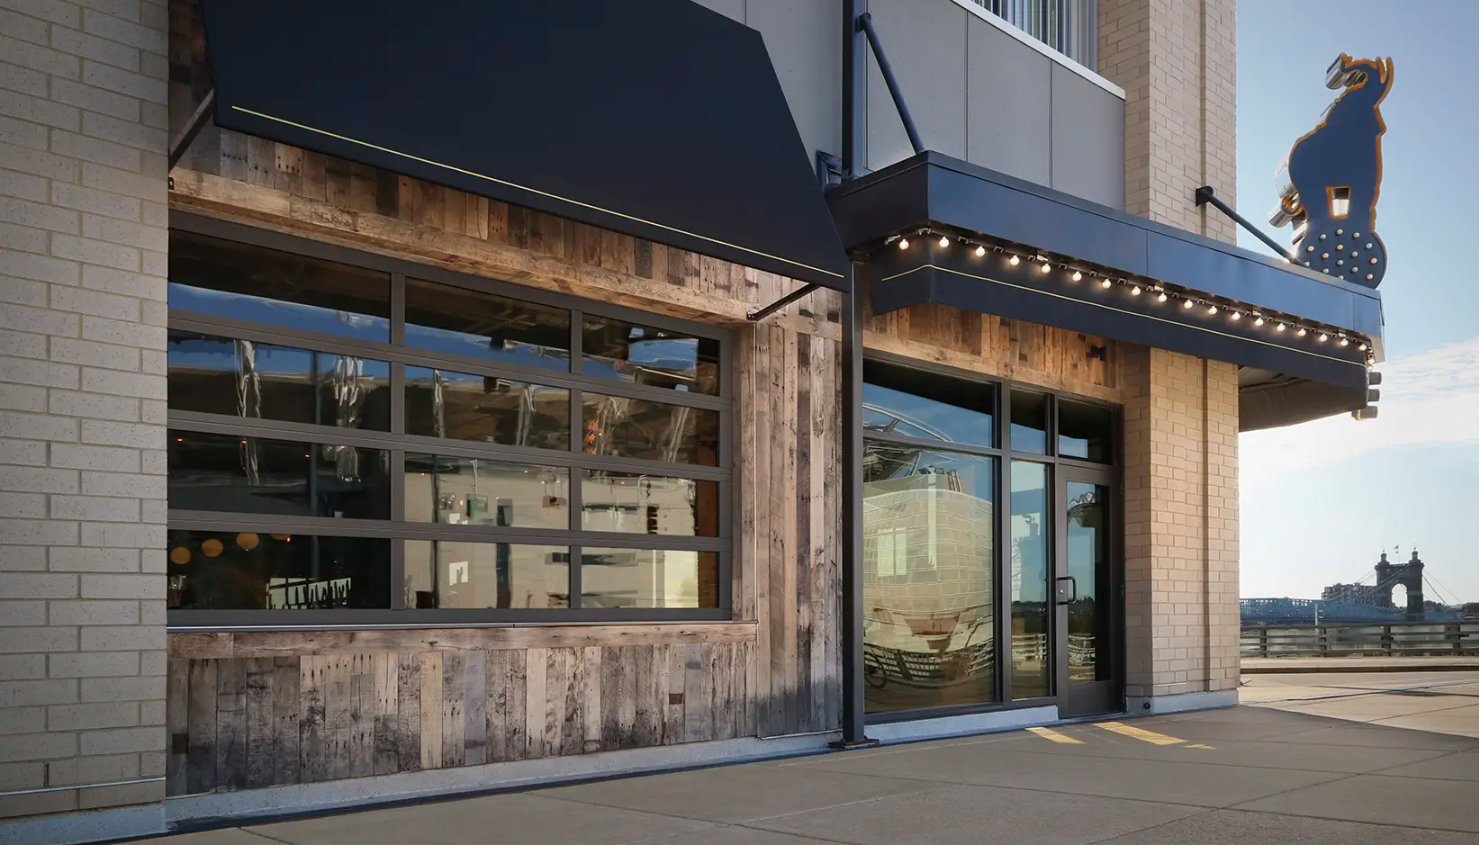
1305, 766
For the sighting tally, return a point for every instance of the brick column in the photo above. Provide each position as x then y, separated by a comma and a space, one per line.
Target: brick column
83, 230
1176, 60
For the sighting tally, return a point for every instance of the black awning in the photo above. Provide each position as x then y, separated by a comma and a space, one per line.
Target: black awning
655, 118
970, 206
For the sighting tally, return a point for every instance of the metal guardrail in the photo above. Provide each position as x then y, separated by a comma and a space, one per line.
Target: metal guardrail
1413, 639
1069, 26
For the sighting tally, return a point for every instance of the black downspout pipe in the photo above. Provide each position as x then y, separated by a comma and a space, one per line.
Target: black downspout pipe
865, 22
854, 90
854, 729
854, 133
1206, 195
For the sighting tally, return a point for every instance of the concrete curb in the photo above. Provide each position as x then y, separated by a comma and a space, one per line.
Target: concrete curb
1356, 668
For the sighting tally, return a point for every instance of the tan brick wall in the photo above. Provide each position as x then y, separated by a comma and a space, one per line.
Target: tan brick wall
1177, 61
1181, 524
82, 488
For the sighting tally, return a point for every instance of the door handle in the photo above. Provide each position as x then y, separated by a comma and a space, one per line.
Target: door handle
1072, 581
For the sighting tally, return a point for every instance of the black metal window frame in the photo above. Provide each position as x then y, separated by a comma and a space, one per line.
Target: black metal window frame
1004, 455
397, 530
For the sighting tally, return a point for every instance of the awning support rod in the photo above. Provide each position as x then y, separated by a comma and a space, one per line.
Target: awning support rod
865, 23
1206, 195
760, 314
181, 142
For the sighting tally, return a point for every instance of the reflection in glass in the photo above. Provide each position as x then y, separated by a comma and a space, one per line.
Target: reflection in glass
638, 503
230, 570
221, 472
459, 321
1089, 634
486, 409
647, 578
1031, 647
478, 575
642, 355
928, 578
1085, 431
1029, 422
478, 491
633, 503
230, 279
917, 403
244, 378
639, 428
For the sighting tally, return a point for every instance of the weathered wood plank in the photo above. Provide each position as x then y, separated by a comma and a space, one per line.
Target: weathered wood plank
697, 707
556, 679
363, 704
231, 725
674, 725
454, 718
496, 748
535, 715
200, 752
475, 707
291, 643
177, 726
572, 732
286, 709
611, 671
338, 729
516, 731
261, 727
645, 719
805, 488
626, 714
431, 710
313, 678
408, 713
385, 670
592, 678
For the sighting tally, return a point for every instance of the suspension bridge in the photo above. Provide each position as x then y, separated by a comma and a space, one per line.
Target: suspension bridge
1366, 600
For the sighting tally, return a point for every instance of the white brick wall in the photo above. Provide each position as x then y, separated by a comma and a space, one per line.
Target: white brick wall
83, 238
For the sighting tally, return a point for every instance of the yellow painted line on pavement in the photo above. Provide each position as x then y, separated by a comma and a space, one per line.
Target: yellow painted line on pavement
1140, 733
1050, 734
1199, 745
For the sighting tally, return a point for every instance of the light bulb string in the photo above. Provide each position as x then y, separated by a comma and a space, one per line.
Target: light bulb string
1212, 307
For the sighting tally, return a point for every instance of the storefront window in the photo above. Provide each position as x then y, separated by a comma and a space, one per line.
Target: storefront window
958, 538
317, 463
929, 529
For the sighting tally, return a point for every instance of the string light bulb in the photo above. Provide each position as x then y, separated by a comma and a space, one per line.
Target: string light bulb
1045, 267
1280, 327
1211, 310
1235, 316
1014, 261
1077, 276
1188, 304
903, 243
1258, 321
1161, 297
1345, 342
1301, 332
980, 251
1361, 347
1135, 291
1323, 337
944, 240
1106, 284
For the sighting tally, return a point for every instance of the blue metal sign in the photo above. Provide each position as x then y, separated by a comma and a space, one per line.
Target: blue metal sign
1332, 177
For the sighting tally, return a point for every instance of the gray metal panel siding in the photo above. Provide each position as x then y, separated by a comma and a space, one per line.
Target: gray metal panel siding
1088, 139
1008, 114
805, 44
925, 41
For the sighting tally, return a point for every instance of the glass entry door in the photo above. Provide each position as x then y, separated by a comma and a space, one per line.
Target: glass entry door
1087, 594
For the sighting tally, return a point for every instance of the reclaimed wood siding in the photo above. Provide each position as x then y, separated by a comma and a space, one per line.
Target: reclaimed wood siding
244, 723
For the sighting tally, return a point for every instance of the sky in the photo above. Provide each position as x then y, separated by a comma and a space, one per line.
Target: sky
1321, 501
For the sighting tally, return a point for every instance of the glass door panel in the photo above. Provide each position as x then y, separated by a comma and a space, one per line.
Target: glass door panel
1087, 595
